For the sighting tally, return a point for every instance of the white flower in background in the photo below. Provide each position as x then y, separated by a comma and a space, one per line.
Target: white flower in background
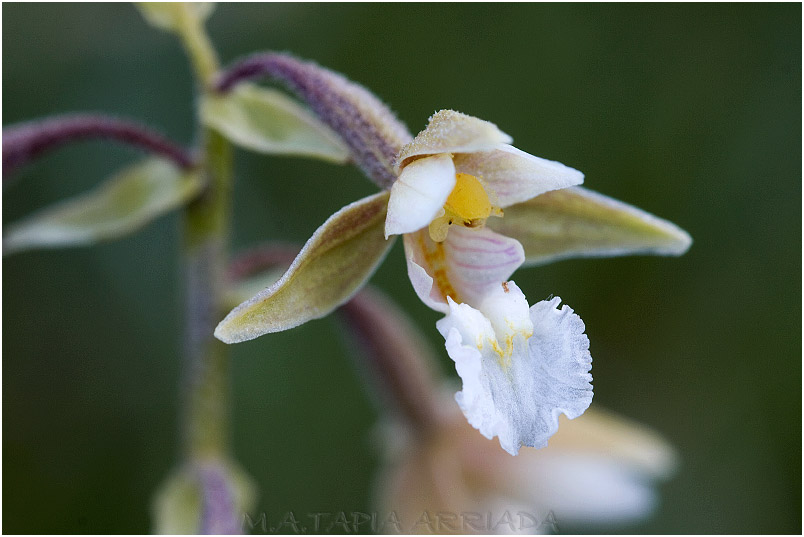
599, 471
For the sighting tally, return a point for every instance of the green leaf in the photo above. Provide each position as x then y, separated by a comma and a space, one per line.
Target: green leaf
268, 121
121, 205
169, 15
337, 260
576, 222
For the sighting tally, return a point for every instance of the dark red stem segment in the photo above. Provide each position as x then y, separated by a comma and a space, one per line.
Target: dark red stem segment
397, 359
261, 258
26, 141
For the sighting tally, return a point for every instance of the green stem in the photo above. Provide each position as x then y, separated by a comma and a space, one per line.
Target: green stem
198, 46
206, 232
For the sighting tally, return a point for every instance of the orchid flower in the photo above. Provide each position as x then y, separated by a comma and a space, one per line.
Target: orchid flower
521, 367
452, 188
599, 471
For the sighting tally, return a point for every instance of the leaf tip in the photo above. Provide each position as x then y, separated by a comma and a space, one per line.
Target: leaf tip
226, 332
675, 241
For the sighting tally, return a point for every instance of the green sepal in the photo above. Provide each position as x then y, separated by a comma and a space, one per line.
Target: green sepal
576, 222
121, 205
337, 260
268, 121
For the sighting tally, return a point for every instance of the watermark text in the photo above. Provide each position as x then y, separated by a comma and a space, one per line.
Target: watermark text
390, 522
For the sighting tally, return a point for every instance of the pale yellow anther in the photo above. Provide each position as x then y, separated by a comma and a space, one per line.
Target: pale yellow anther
468, 205
468, 200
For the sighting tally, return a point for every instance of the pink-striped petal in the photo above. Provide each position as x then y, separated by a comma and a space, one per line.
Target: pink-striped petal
466, 266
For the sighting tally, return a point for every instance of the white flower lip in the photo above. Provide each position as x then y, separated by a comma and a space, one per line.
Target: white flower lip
519, 396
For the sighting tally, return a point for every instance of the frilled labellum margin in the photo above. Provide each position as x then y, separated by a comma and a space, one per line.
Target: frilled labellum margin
516, 390
451, 189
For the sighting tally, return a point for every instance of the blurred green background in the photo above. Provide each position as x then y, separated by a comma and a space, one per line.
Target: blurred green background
692, 112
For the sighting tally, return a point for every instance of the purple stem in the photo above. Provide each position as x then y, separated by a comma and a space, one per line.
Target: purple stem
372, 132
26, 141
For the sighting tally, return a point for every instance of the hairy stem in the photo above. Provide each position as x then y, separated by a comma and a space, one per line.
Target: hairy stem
24, 142
206, 234
371, 131
206, 428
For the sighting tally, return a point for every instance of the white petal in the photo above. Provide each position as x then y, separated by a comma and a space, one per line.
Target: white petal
515, 176
452, 132
419, 194
515, 389
588, 489
467, 266
627, 442
423, 285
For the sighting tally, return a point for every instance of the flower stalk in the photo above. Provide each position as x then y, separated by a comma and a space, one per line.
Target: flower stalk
205, 242
24, 142
190, 26
398, 362
206, 230
208, 479
371, 131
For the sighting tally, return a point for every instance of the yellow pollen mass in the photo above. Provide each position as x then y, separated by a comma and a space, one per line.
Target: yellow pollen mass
468, 200
468, 205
